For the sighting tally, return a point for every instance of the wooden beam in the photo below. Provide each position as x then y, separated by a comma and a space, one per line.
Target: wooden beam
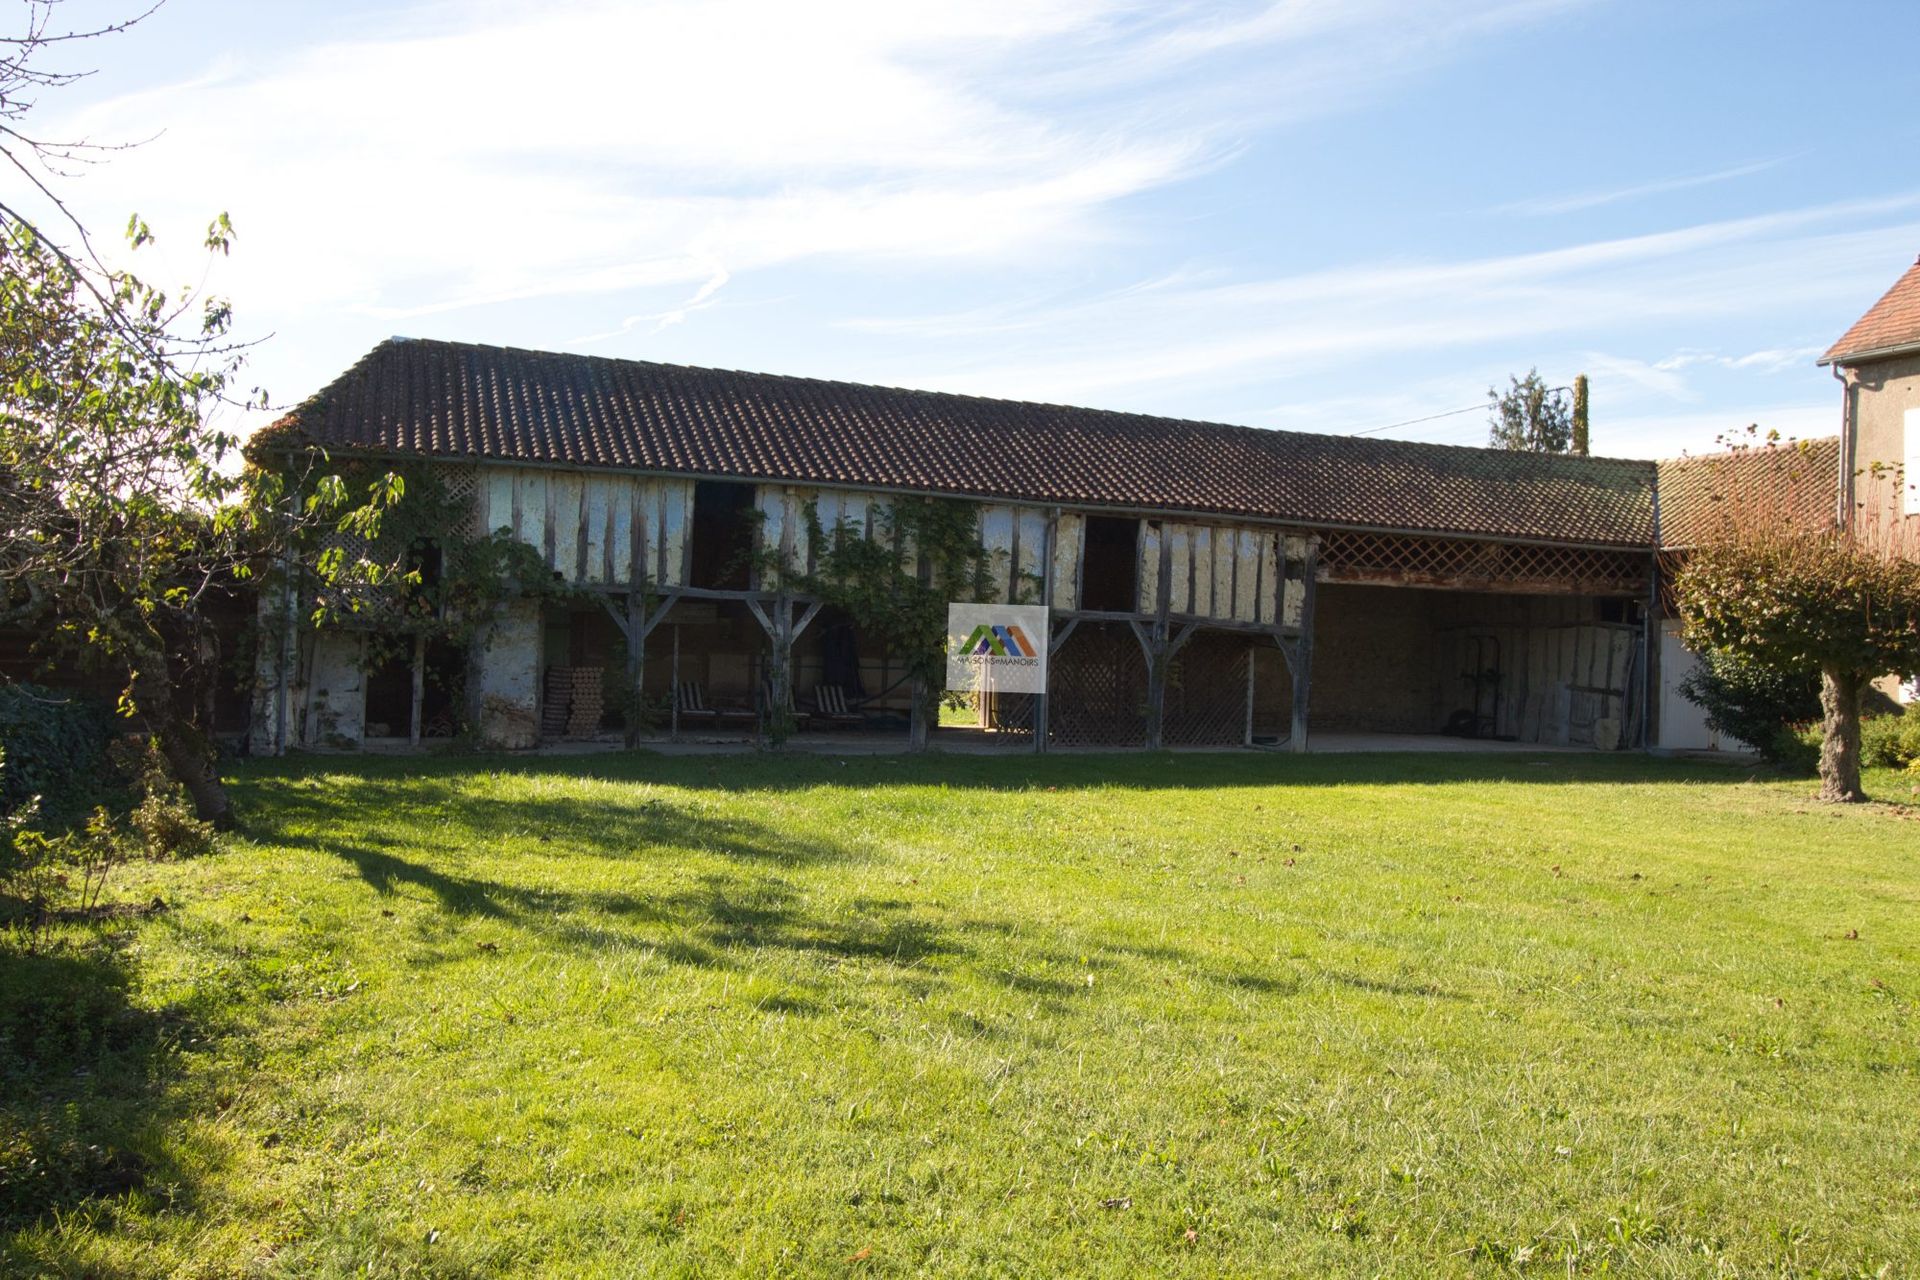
419, 687
1303, 645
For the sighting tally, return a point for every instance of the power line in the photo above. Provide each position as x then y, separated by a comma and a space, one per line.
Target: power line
1451, 413
1482, 407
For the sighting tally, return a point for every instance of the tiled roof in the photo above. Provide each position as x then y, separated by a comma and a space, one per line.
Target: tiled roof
456, 400
1891, 323
1795, 484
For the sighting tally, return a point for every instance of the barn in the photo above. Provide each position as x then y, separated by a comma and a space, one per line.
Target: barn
1205, 584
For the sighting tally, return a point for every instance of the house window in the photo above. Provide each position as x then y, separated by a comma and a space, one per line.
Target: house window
1109, 575
721, 553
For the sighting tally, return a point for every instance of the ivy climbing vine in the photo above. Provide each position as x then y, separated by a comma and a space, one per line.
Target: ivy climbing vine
415, 569
895, 578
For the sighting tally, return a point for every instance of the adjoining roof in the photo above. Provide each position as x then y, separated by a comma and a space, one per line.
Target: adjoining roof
457, 400
1795, 484
1891, 324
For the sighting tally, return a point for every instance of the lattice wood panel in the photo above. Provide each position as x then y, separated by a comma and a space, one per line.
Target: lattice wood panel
1097, 689
1207, 692
462, 483
1453, 562
1011, 713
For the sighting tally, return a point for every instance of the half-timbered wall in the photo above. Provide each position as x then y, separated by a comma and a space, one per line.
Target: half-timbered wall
1221, 572
592, 528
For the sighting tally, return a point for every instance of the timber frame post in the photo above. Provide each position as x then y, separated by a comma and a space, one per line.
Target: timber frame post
1302, 655
636, 624
782, 630
1040, 707
418, 693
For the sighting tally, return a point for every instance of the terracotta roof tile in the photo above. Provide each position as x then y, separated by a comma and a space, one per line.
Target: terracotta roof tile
459, 400
1795, 484
1890, 323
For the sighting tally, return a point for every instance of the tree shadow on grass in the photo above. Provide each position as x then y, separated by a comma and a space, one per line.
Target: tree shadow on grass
83, 1101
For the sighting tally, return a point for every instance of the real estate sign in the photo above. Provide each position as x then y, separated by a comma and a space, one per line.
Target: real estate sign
997, 648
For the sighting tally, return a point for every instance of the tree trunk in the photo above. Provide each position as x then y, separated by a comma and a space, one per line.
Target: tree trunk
189, 753
918, 717
192, 762
1840, 736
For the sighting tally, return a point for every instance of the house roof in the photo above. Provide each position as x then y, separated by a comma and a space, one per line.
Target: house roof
456, 400
1795, 484
1891, 324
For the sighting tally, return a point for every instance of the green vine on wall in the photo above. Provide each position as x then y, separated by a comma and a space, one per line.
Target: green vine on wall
417, 568
896, 578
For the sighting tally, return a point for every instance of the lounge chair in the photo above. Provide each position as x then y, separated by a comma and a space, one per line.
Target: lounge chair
830, 704
690, 704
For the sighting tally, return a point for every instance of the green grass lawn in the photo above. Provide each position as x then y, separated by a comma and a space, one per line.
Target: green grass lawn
1124, 1015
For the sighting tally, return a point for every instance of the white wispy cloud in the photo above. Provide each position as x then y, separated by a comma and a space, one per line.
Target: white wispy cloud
1771, 360
524, 150
1368, 314
1546, 206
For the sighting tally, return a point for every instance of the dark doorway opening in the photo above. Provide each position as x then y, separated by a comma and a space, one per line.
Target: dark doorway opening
722, 536
1109, 573
443, 692
390, 694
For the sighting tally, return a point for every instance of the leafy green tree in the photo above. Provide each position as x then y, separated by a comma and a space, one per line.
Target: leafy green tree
1530, 416
1794, 600
1758, 705
123, 512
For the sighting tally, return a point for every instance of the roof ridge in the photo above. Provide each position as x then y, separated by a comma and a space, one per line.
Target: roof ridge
1006, 401
467, 400
1886, 325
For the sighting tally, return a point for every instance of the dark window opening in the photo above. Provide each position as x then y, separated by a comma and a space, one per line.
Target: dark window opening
390, 696
1109, 574
722, 537
389, 710
424, 558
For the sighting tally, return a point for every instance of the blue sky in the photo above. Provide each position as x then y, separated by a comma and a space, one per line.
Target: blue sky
1327, 216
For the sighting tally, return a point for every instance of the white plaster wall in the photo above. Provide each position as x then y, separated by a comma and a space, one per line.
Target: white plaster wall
505, 677
338, 698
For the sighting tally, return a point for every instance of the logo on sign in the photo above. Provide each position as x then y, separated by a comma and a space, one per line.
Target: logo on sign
998, 642
998, 648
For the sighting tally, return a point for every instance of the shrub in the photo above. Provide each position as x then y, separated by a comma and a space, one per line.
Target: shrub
49, 743
163, 817
168, 827
1756, 705
1795, 748
1891, 742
